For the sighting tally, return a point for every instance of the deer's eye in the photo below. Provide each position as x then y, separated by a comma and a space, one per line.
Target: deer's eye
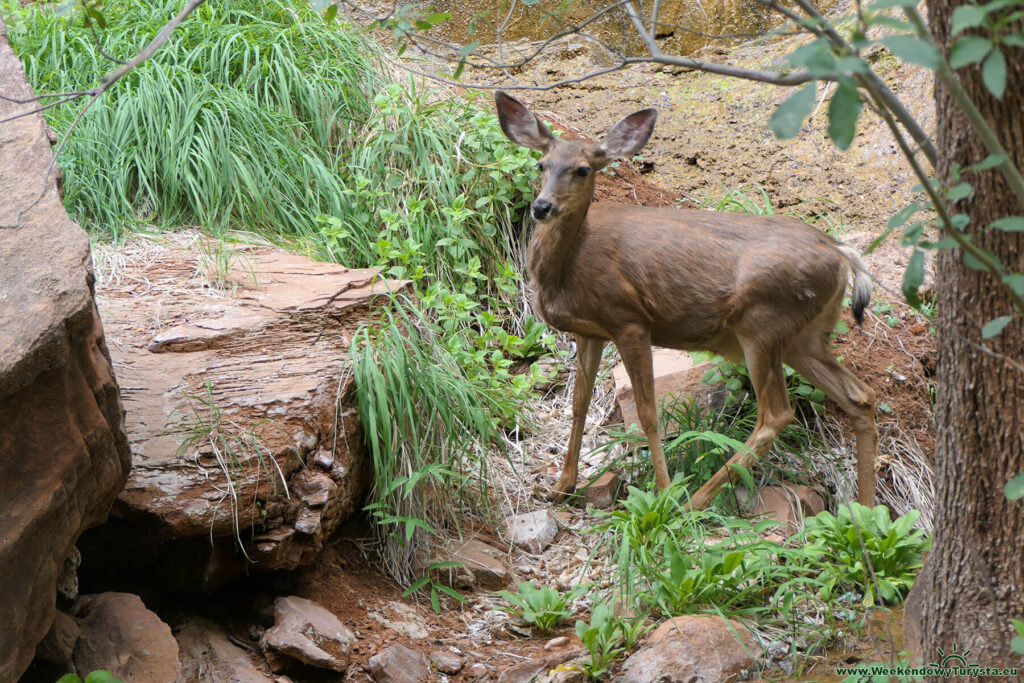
583, 171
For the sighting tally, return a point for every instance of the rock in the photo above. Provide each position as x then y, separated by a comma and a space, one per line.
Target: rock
530, 670
403, 619
399, 664
604, 490
63, 451
691, 649
488, 564
446, 662
478, 670
207, 656
121, 636
533, 531
556, 643
243, 425
675, 374
306, 632
789, 505
58, 646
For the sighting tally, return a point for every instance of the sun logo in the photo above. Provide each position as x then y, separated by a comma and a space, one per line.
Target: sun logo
962, 656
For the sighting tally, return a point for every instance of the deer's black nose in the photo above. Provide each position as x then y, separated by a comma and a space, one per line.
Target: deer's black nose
541, 209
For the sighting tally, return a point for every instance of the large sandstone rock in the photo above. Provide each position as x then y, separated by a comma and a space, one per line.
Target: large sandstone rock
692, 649
63, 451
241, 417
121, 636
305, 632
675, 374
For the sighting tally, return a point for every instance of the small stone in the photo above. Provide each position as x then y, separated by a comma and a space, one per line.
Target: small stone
308, 522
306, 632
313, 488
399, 664
603, 491
488, 564
556, 643
477, 670
446, 662
324, 460
533, 531
691, 649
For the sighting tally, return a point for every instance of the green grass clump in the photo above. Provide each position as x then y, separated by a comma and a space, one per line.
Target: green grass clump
240, 120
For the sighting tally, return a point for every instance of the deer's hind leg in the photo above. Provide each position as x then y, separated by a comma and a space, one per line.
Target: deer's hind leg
810, 356
764, 364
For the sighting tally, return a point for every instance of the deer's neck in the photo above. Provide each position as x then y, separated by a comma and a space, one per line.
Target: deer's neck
550, 255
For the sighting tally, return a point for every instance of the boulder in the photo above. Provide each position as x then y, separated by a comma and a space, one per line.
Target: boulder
121, 636
533, 531
304, 631
691, 649
481, 565
58, 645
675, 373
207, 656
788, 504
63, 451
241, 416
399, 664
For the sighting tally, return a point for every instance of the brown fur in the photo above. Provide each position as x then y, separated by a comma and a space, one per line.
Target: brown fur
762, 289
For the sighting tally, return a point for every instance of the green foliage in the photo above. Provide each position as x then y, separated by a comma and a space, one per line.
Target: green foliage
434, 588
737, 381
842, 546
428, 427
543, 607
603, 638
1017, 644
1014, 489
98, 676
240, 120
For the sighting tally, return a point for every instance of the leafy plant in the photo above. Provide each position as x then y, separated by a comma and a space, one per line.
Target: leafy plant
543, 607
841, 547
602, 636
436, 588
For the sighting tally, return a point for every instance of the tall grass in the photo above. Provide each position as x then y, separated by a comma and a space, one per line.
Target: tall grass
241, 120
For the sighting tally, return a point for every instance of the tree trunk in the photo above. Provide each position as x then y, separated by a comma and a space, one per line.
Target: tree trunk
973, 582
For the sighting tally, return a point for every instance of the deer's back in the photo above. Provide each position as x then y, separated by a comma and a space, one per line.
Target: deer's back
692, 275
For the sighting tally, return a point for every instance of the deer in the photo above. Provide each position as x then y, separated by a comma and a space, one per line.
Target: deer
762, 290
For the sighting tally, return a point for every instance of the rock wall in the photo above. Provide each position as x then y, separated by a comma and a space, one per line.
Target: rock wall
63, 450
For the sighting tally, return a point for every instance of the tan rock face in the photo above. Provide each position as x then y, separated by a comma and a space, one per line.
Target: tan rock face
241, 416
63, 450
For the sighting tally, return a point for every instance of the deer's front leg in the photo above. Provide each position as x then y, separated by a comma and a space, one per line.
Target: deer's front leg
588, 358
635, 349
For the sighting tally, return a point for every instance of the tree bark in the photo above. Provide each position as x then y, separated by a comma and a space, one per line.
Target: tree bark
973, 581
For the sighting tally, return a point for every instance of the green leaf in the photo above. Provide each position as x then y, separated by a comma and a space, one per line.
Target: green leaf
966, 16
969, 50
816, 57
914, 50
438, 17
468, 49
1016, 282
843, 111
958, 192
842, 327
993, 73
1017, 644
332, 12
903, 215
1014, 490
886, 4
994, 327
913, 277
991, 161
1014, 39
1009, 224
789, 116
101, 676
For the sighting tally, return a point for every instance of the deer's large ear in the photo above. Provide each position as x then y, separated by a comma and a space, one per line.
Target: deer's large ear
520, 124
628, 136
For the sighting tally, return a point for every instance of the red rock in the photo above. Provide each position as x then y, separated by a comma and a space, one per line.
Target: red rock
675, 374
691, 649
121, 636
789, 505
603, 491
533, 531
306, 632
488, 564
63, 451
399, 664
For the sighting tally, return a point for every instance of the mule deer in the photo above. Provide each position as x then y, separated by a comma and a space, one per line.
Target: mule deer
763, 289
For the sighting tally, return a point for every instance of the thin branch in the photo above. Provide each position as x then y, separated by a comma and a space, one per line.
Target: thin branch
99, 48
36, 98
41, 109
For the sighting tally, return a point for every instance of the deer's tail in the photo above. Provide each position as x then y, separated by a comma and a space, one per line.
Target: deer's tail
861, 282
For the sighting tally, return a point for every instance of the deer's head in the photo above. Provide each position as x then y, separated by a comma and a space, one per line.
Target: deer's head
568, 166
